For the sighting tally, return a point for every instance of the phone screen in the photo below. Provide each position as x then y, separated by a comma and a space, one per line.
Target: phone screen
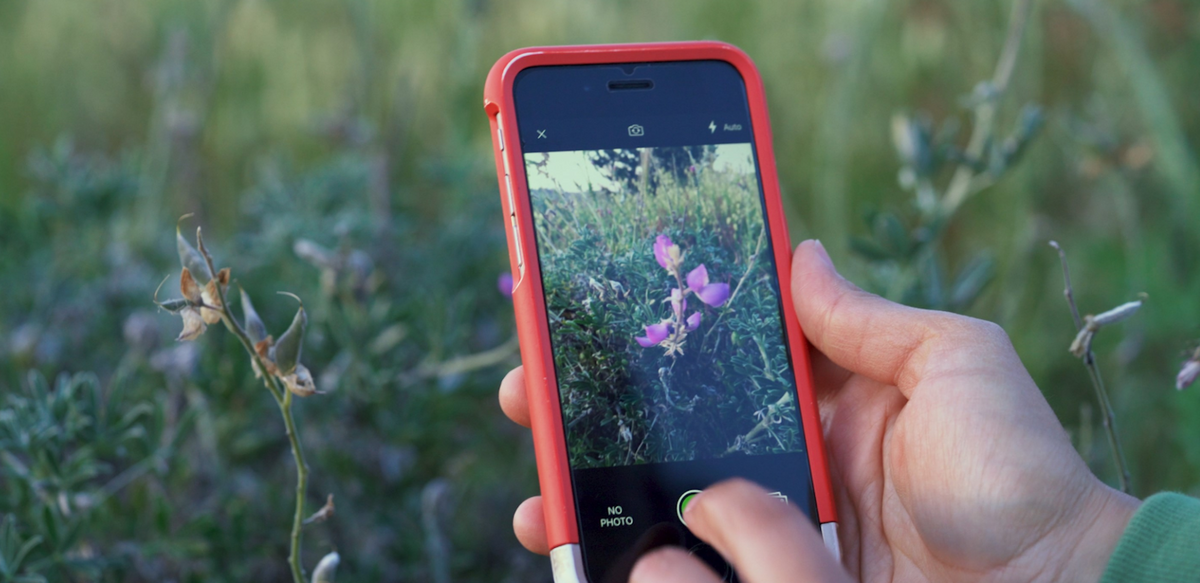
662, 299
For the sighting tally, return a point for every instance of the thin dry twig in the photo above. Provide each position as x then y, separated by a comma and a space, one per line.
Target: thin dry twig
324, 513
1089, 360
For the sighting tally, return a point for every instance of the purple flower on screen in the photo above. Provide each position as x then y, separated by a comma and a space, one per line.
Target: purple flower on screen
713, 294
672, 332
667, 253
655, 334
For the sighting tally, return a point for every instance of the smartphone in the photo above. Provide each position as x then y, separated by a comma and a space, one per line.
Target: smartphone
651, 288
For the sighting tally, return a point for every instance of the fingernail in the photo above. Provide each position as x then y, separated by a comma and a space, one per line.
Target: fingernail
823, 254
687, 510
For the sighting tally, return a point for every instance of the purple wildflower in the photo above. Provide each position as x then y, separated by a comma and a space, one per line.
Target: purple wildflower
655, 333
713, 294
693, 321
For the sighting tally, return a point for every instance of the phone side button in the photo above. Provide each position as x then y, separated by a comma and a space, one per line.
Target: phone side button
517, 239
512, 202
566, 564
500, 136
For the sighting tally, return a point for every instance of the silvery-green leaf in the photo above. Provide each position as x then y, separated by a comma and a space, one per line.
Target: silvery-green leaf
930, 277
287, 348
254, 324
190, 258
869, 249
890, 233
971, 281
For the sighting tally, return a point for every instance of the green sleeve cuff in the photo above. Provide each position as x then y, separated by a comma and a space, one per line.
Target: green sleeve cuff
1161, 543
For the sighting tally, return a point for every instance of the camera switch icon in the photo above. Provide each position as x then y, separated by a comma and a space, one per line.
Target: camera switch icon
636, 130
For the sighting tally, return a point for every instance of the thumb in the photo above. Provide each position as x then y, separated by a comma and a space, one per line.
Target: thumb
869, 335
766, 540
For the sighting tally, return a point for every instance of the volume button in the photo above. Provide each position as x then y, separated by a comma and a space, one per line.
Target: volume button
517, 239
512, 203
500, 135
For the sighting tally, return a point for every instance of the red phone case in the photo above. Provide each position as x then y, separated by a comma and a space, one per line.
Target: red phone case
532, 329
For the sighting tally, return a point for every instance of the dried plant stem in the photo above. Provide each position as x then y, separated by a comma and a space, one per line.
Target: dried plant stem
285, 408
1108, 417
764, 425
283, 398
963, 184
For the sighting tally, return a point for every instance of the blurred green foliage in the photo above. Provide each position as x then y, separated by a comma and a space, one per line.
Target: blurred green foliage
357, 126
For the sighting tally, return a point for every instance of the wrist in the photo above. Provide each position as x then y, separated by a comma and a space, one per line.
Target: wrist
1092, 536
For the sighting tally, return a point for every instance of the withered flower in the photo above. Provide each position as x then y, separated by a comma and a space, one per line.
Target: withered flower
187, 307
1092, 324
193, 324
211, 311
300, 382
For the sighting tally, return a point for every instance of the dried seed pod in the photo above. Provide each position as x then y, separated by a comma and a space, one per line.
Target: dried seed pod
287, 348
326, 569
1092, 324
189, 258
254, 324
1117, 314
173, 306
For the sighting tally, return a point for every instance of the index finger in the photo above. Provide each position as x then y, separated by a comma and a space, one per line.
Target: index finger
512, 397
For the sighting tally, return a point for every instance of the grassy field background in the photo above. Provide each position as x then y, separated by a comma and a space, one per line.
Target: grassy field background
357, 125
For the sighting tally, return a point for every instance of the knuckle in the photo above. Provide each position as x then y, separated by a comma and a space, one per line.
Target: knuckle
958, 328
989, 332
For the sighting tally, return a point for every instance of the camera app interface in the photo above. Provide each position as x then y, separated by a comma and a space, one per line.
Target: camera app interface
669, 350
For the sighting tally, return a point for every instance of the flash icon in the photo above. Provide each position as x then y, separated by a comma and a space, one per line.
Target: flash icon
712, 126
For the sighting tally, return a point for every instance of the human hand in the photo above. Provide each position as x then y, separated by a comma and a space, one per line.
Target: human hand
948, 463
